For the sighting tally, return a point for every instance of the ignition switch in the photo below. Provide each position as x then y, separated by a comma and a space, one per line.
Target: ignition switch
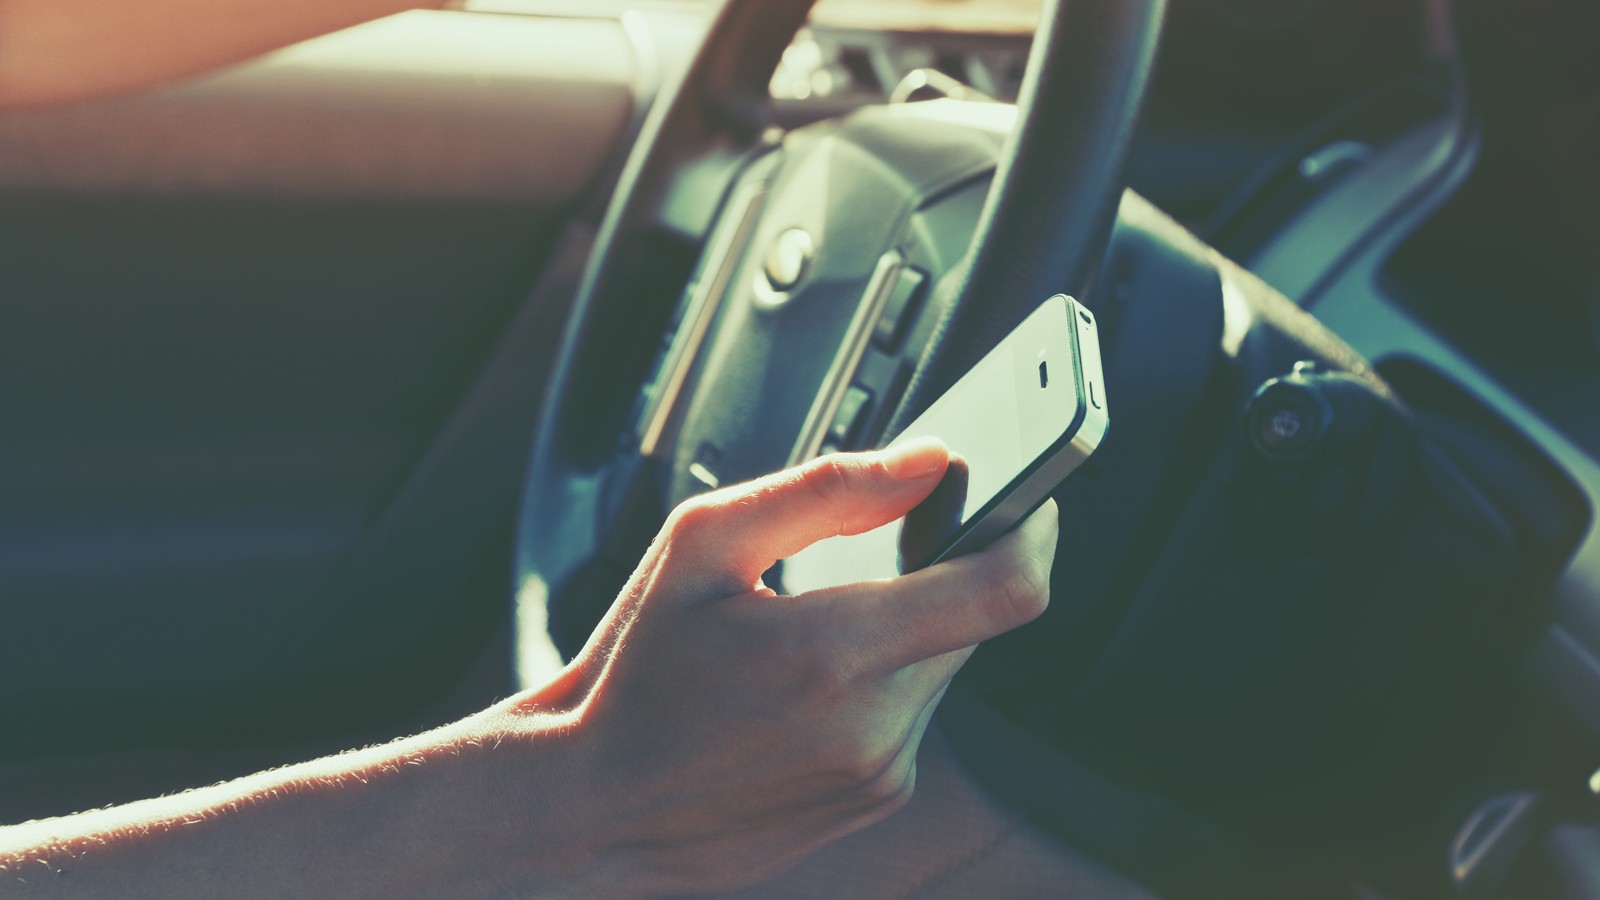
1329, 446
1311, 413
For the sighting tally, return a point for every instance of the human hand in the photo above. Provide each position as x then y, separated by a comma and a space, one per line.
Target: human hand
722, 732
711, 734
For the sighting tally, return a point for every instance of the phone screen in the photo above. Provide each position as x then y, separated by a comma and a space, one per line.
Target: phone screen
979, 421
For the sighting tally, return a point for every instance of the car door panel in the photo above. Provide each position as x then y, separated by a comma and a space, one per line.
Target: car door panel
238, 320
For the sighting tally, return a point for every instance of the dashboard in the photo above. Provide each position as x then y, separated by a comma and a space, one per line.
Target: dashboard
1367, 158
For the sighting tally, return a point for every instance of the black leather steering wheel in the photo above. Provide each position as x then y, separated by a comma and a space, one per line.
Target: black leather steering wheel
747, 287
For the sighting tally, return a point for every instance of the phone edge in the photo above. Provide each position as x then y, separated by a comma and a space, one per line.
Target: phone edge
1019, 502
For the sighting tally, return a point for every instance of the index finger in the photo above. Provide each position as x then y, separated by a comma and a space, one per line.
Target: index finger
888, 625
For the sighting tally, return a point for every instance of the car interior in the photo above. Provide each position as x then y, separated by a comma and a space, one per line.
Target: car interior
344, 388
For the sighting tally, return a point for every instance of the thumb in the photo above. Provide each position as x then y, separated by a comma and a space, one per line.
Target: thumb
722, 542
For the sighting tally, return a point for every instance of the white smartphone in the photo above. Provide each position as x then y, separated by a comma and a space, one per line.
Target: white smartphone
1017, 424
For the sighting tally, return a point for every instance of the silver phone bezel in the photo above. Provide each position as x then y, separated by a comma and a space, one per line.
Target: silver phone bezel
1029, 490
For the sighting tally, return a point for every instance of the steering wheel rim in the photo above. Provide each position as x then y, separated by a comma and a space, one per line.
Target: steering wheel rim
1080, 99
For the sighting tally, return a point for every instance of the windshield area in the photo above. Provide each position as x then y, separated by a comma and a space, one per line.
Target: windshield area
965, 16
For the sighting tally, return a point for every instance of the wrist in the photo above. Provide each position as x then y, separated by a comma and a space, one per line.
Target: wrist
527, 818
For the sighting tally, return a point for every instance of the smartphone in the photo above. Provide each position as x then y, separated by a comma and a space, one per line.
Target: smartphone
1023, 419
1017, 424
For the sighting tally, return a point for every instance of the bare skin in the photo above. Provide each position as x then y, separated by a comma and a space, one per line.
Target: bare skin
53, 51
710, 735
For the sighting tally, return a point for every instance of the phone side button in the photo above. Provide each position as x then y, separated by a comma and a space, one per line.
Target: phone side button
1094, 396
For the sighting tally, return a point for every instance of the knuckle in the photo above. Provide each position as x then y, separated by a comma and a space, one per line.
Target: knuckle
1022, 594
828, 476
893, 786
691, 517
830, 479
867, 764
808, 666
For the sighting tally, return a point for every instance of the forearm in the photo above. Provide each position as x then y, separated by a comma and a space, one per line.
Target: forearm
711, 734
54, 51
431, 816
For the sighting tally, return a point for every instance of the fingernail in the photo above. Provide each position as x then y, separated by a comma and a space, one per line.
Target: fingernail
916, 459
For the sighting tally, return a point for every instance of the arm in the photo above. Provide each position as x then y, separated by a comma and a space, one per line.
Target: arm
710, 735
417, 818
55, 51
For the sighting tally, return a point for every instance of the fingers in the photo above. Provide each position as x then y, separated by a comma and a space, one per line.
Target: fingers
954, 605
719, 544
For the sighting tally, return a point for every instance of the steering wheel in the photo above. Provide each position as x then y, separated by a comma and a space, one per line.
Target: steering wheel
755, 298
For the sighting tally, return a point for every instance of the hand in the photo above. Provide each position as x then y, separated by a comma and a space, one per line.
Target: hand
724, 731
711, 734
